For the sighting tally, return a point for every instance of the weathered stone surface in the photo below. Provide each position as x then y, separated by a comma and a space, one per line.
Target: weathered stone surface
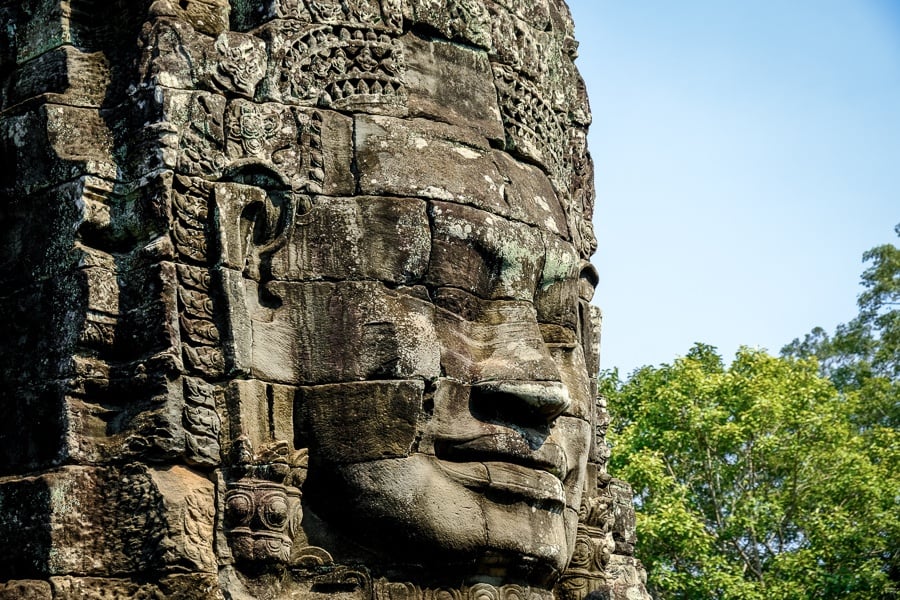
347, 331
504, 343
357, 238
623, 530
262, 413
206, 16
25, 589
45, 25
558, 288
174, 587
67, 74
390, 410
99, 522
42, 147
178, 130
452, 84
297, 304
175, 55
58, 213
418, 159
484, 254
459, 20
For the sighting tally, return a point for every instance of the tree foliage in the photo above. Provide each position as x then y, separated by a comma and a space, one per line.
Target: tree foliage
774, 477
864, 354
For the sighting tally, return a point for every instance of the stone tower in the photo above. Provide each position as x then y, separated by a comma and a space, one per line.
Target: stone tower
297, 304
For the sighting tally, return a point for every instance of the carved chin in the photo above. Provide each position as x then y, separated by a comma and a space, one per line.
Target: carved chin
424, 512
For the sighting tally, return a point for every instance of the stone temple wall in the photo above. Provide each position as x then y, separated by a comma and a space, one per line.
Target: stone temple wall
296, 299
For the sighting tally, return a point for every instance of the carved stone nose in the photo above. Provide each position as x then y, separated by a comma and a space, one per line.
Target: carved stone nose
535, 400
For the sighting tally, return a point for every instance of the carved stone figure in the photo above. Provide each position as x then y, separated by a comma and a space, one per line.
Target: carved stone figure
298, 304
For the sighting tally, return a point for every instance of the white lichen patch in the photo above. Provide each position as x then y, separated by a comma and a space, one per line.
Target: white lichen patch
435, 192
467, 152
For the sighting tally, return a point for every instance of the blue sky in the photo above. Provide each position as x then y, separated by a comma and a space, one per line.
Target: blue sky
746, 155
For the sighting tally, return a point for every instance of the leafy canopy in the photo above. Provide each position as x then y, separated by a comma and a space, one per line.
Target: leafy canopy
775, 477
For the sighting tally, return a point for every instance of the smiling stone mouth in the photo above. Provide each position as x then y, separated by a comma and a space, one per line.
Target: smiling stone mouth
530, 484
504, 447
503, 463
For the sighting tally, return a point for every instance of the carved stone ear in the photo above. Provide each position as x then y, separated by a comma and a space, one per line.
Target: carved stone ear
252, 212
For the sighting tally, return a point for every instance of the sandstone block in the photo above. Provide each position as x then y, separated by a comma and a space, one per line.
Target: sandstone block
382, 414
452, 84
52, 216
51, 144
99, 522
487, 255
556, 299
346, 331
176, 130
206, 16
262, 413
458, 20
47, 24
505, 344
624, 527
174, 587
357, 238
421, 159
26, 589
65, 74
176, 55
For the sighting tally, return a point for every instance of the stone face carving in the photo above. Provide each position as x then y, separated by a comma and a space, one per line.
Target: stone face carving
298, 297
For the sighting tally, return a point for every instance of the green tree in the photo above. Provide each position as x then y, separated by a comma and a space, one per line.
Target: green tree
755, 481
864, 354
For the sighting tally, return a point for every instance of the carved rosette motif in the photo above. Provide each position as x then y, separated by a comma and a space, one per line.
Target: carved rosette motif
260, 518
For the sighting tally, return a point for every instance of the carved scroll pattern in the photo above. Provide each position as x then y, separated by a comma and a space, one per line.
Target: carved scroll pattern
315, 156
198, 528
200, 337
201, 422
200, 334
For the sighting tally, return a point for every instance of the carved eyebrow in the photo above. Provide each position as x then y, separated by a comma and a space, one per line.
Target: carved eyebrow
511, 251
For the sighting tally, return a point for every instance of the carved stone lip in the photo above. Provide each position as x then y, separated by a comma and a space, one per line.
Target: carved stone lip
532, 485
504, 462
504, 447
